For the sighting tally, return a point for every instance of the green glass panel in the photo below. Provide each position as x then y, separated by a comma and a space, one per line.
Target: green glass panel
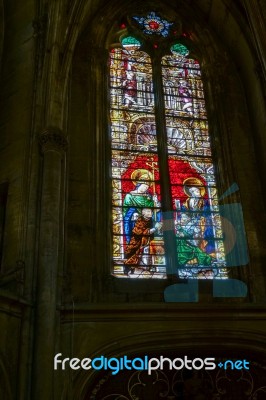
130, 41
179, 48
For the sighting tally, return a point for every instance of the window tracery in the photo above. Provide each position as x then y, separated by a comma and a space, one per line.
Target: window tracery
162, 161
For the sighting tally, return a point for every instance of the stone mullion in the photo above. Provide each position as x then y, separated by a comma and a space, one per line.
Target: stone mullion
53, 146
166, 200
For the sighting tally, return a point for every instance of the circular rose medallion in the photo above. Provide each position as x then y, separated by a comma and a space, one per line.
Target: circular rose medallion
153, 26
153, 23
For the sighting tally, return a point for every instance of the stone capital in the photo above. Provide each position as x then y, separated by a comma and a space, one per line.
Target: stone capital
53, 139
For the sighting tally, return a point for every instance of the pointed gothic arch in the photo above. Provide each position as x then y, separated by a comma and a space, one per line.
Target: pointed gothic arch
94, 77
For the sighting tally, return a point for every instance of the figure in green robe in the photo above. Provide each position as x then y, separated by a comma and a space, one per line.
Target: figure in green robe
136, 200
193, 227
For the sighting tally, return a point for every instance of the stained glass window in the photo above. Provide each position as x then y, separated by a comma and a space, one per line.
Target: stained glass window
154, 24
138, 184
179, 49
130, 41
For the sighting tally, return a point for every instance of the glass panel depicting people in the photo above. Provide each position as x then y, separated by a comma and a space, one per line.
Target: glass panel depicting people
137, 218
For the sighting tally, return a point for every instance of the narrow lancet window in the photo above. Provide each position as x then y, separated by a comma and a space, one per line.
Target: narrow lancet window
140, 185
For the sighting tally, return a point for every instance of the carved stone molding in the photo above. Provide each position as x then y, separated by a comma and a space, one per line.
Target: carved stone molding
53, 139
99, 53
218, 384
39, 25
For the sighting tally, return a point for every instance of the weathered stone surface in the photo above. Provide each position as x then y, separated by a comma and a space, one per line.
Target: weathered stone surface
54, 159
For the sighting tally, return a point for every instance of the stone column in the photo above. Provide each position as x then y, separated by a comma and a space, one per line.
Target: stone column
99, 177
53, 146
256, 11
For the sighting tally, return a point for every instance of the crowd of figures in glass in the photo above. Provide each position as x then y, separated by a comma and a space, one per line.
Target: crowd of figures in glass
138, 221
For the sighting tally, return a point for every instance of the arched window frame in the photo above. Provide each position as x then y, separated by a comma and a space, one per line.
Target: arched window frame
95, 61
157, 49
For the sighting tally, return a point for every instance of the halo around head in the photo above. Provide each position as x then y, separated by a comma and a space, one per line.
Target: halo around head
141, 176
193, 182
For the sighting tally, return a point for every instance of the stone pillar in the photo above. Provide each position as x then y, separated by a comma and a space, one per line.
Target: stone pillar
256, 11
53, 146
99, 177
